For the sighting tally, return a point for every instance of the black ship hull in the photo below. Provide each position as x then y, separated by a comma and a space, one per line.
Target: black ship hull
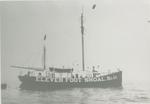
31, 83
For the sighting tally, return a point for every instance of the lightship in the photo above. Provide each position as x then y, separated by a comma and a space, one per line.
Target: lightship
58, 78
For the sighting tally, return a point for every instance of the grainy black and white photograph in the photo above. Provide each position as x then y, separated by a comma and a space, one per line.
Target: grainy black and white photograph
75, 52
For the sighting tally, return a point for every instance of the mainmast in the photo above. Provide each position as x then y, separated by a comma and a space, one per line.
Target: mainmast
44, 53
82, 39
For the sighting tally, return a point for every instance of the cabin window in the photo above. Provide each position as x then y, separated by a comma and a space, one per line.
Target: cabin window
39, 79
43, 78
40, 74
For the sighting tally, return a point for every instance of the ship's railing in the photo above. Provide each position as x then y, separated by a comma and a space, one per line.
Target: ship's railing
21, 73
29, 73
102, 77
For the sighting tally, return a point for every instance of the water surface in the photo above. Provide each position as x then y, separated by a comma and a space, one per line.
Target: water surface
129, 94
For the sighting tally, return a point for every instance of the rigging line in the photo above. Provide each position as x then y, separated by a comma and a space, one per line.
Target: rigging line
33, 58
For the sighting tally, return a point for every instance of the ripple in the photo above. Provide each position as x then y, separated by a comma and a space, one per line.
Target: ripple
124, 95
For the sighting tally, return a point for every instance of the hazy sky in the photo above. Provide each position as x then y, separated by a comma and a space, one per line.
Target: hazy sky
117, 35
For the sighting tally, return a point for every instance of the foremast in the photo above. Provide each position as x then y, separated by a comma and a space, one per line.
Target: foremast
82, 40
